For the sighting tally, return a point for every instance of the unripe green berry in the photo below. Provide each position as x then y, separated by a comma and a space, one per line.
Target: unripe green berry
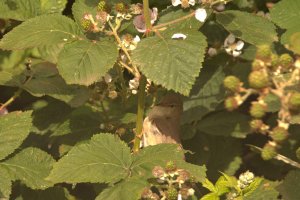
120, 7
258, 110
274, 61
101, 6
256, 124
286, 61
298, 153
172, 194
257, 65
258, 80
170, 166
268, 152
279, 134
86, 24
294, 101
263, 52
232, 83
231, 104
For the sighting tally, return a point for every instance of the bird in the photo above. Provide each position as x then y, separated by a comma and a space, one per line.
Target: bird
162, 125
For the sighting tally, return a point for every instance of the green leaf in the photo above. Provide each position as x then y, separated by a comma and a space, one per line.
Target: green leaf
81, 7
5, 182
209, 185
197, 172
248, 27
39, 31
289, 189
225, 124
206, 94
14, 128
157, 155
52, 6
50, 52
252, 187
174, 64
265, 191
31, 166
295, 43
273, 103
84, 62
19, 9
53, 193
210, 196
130, 189
222, 186
105, 158
286, 14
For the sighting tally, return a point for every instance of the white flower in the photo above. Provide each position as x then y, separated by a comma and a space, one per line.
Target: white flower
191, 191
183, 3
212, 51
200, 14
129, 42
179, 36
179, 197
232, 47
134, 84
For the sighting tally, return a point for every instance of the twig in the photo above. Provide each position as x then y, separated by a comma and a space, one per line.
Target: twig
12, 99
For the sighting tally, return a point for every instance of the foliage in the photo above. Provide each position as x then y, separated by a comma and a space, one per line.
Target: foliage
77, 79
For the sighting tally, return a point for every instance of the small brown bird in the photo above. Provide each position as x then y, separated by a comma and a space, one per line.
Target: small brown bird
162, 125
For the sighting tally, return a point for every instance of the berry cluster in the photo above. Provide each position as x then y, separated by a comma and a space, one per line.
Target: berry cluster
171, 183
272, 74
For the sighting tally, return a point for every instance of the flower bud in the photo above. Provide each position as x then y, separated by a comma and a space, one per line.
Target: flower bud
172, 193
263, 52
286, 61
231, 103
258, 80
258, 110
268, 151
294, 101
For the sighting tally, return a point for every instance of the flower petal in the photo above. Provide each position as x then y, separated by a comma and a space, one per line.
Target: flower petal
192, 2
229, 40
200, 14
178, 36
176, 2
236, 53
239, 45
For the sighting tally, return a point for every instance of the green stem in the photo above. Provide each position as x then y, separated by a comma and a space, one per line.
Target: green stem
147, 14
140, 114
9, 101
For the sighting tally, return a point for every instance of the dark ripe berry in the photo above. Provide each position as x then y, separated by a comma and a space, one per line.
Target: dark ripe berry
279, 134
231, 104
286, 61
263, 52
258, 80
268, 152
294, 101
232, 83
258, 110
172, 194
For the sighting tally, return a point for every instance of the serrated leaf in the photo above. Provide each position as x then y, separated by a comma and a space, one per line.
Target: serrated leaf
265, 191
225, 124
31, 166
252, 187
206, 94
14, 128
50, 53
174, 64
289, 189
103, 159
210, 196
40, 31
197, 172
5, 184
222, 186
248, 27
286, 14
126, 190
209, 185
19, 9
157, 155
84, 62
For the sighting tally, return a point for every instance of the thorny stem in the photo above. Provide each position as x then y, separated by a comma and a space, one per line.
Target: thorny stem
126, 66
142, 87
115, 33
173, 21
140, 114
12, 99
